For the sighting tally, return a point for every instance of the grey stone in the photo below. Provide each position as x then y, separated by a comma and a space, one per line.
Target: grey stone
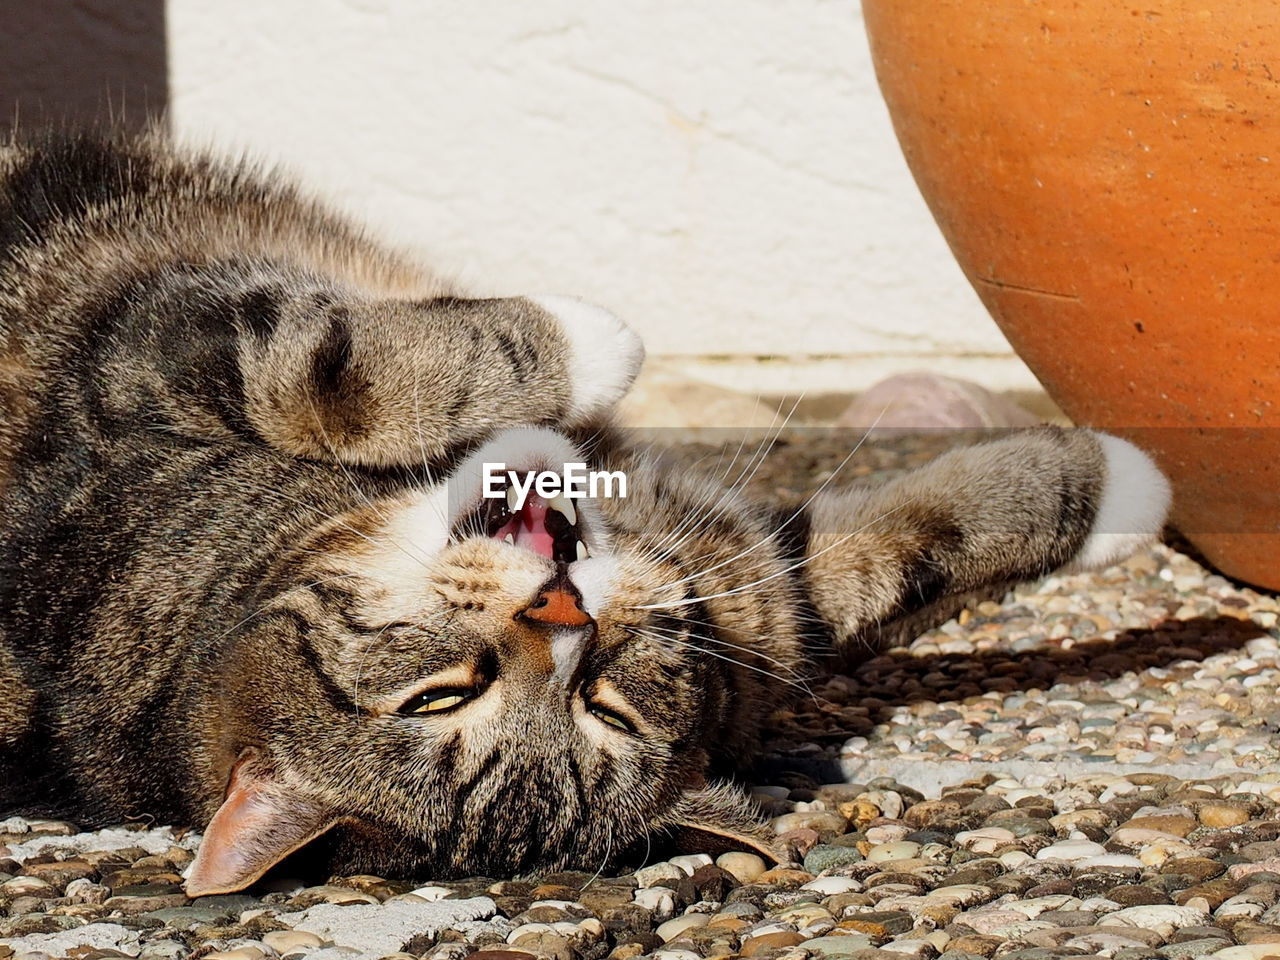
825, 856
910, 401
95, 936
838, 946
164, 950
1189, 949
374, 930
204, 910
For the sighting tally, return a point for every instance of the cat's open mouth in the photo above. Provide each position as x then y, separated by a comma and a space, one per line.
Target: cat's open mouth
495, 494
547, 527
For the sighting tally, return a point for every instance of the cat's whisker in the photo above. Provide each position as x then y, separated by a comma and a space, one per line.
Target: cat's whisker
373, 642
799, 679
239, 483
355, 687
417, 416
648, 843
718, 487
684, 644
782, 526
734, 646
773, 576
377, 542
608, 852
698, 511
660, 639
697, 521
798, 511
422, 446
748, 473
356, 488
701, 516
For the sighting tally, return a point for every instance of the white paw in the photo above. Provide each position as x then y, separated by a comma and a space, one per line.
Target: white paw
604, 354
1135, 502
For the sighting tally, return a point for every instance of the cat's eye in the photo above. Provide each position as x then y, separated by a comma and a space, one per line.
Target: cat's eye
611, 717
440, 700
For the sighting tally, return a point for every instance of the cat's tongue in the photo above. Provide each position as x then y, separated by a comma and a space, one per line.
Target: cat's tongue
528, 527
532, 534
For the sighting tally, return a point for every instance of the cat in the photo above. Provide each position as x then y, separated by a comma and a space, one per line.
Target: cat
248, 581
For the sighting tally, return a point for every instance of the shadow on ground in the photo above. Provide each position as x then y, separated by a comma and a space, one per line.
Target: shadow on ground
898, 678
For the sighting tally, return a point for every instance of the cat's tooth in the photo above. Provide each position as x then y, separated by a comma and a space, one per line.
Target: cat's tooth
512, 499
510, 539
564, 505
582, 550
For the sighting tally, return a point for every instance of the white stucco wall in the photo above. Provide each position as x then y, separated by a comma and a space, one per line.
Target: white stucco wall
722, 173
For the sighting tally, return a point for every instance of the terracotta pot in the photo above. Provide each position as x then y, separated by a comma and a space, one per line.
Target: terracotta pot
1108, 176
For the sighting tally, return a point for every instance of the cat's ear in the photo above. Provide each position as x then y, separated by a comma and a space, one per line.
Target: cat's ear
259, 824
715, 819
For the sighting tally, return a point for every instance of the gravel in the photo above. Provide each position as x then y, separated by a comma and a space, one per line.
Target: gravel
1089, 768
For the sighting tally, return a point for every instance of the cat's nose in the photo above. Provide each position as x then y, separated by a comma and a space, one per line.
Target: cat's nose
559, 604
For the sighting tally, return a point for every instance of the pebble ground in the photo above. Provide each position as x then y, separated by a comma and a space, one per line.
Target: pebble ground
1087, 769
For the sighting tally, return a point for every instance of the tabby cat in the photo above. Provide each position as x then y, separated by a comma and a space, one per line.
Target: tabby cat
248, 581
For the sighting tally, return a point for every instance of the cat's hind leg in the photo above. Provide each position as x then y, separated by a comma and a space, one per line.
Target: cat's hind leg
887, 563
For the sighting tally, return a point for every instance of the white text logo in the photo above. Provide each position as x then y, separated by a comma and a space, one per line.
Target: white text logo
574, 481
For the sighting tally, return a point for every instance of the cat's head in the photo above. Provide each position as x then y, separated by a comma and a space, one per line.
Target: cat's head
459, 684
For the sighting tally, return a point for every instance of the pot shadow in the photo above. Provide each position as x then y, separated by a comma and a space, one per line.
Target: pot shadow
853, 703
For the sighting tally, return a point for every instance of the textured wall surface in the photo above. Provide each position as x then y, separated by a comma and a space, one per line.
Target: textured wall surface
722, 173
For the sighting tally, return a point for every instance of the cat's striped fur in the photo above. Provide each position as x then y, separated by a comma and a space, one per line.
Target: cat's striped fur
231, 576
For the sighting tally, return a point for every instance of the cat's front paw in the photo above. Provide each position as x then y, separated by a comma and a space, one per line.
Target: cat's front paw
605, 355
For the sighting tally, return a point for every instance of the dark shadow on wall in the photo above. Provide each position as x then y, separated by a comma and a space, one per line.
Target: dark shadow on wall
76, 62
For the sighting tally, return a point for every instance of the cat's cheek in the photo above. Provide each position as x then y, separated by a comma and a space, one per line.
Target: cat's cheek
1135, 501
598, 579
415, 573
396, 555
605, 355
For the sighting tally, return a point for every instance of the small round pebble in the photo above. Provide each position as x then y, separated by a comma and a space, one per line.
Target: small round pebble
744, 867
674, 928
